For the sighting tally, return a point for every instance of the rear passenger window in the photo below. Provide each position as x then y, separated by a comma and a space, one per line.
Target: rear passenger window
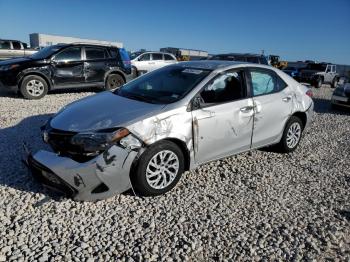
168, 57
93, 53
157, 56
16, 45
265, 82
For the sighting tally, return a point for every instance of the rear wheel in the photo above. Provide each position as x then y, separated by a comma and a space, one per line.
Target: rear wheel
135, 73
334, 82
291, 135
159, 169
114, 81
33, 87
319, 82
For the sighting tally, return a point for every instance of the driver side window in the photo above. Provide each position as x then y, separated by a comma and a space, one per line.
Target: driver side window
224, 88
69, 54
145, 57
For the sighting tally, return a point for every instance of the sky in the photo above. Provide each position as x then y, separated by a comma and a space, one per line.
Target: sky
295, 30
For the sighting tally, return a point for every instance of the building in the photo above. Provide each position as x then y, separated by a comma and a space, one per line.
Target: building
43, 40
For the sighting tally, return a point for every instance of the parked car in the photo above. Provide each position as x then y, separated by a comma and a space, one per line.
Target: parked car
250, 58
341, 96
66, 66
152, 129
318, 74
292, 71
13, 48
143, 62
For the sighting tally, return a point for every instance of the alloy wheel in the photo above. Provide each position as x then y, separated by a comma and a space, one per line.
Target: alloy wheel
293, 135
35, 87
162, 169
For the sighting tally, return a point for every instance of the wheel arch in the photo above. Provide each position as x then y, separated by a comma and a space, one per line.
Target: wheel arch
48, 82
114, 71
302, 116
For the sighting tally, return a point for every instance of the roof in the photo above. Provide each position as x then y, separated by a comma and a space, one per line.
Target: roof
211, 64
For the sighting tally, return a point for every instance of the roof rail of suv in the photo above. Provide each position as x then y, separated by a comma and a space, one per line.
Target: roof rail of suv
95, 44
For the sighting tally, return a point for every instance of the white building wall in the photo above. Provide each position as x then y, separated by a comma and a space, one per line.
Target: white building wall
42, 40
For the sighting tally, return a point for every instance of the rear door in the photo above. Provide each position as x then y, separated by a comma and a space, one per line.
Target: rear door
68, 67
95, 63
222, 125
273, 104
157, 61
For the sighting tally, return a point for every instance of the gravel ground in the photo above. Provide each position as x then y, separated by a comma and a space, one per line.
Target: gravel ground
254, 206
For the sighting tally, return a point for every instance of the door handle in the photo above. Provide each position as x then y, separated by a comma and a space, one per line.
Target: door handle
151, 63
286, 99
247, 109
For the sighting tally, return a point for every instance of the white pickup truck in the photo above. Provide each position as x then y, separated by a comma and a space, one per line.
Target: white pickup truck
13, 48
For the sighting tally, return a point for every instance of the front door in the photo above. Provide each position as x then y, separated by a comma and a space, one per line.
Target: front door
222, 125
144, 63
68, 67
273, 103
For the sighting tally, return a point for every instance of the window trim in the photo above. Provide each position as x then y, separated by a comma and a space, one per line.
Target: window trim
244, 79
82, 54
263, 70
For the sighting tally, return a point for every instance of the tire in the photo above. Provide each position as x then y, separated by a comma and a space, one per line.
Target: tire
145, 178
114, 81
135, 73
334, 82
319, 82
33, 87
287, 143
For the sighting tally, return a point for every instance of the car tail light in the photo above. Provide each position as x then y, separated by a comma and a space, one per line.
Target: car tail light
309, 93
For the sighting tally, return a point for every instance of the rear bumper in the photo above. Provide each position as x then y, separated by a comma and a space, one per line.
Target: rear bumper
105, 175
341, 101
309, 115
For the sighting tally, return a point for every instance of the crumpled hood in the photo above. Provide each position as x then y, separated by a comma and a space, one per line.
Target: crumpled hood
100, 111
12, 61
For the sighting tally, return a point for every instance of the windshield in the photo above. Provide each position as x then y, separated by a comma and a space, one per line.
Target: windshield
163, 86
46, 52
319, 67
134, 55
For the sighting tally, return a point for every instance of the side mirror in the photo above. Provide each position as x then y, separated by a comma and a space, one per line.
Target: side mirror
196, 103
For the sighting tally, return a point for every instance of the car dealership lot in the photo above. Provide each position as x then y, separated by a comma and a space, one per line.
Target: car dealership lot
252, 206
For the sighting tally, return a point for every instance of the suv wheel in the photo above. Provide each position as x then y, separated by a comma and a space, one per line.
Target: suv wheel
159, 169
134, 72
319, 82
291, 135
33, 87
114, 81
334, 82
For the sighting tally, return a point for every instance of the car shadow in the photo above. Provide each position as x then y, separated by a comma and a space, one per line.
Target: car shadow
14, 173
324, 106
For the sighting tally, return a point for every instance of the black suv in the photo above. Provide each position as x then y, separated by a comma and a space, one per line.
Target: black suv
250, 58
67, 66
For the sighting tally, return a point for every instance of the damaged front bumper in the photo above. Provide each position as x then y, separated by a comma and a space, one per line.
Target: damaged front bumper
103, 176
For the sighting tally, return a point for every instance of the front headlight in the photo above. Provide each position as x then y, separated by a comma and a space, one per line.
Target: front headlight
101, 140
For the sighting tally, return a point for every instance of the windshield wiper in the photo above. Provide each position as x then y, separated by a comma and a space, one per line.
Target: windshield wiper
137, 97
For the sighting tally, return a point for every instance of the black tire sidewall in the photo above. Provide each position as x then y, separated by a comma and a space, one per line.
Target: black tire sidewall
283, 142
139, 178
119, 77
319, 83
23, 87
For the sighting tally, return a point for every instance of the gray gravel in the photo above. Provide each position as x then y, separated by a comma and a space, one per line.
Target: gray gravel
254, 206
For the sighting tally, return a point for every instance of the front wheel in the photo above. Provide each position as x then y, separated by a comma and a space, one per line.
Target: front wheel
159, 169
291, 135
114, 81
334, 82
33, 87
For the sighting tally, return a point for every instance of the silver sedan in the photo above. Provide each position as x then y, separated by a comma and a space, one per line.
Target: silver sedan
145, 134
